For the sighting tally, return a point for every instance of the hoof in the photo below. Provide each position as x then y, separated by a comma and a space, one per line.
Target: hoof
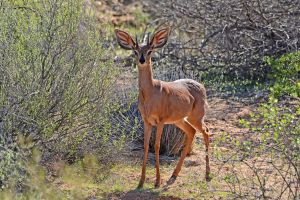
171, 180
208, 177
157, 183
140, 186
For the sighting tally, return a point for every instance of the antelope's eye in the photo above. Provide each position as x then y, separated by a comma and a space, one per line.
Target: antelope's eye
149, 52
135, 53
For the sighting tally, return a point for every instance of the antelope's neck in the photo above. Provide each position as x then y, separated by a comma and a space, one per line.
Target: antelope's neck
146, 82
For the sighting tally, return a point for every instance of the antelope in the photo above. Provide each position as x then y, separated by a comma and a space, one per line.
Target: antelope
181, 102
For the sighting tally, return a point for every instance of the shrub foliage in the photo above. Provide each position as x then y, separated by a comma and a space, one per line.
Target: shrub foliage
55, 81
270, 151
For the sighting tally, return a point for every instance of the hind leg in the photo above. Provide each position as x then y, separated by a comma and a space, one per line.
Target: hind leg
190, 133
207, 131
200, 125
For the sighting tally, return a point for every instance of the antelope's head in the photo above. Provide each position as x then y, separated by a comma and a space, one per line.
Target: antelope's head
144, 51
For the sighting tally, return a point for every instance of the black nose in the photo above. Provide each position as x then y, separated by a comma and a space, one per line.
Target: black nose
142, 59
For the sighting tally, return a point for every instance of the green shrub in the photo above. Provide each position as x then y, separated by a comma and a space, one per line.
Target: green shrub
56, 80
265, 161
285, 71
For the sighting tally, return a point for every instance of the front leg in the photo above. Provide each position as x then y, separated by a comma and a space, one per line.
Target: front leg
147, 134
157, 147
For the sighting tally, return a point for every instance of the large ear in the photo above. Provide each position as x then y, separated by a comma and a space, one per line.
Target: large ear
160, 38
124, 40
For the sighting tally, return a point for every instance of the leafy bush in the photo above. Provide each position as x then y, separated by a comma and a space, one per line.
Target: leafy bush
79, 176
56, 81
265, 162
285, 71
